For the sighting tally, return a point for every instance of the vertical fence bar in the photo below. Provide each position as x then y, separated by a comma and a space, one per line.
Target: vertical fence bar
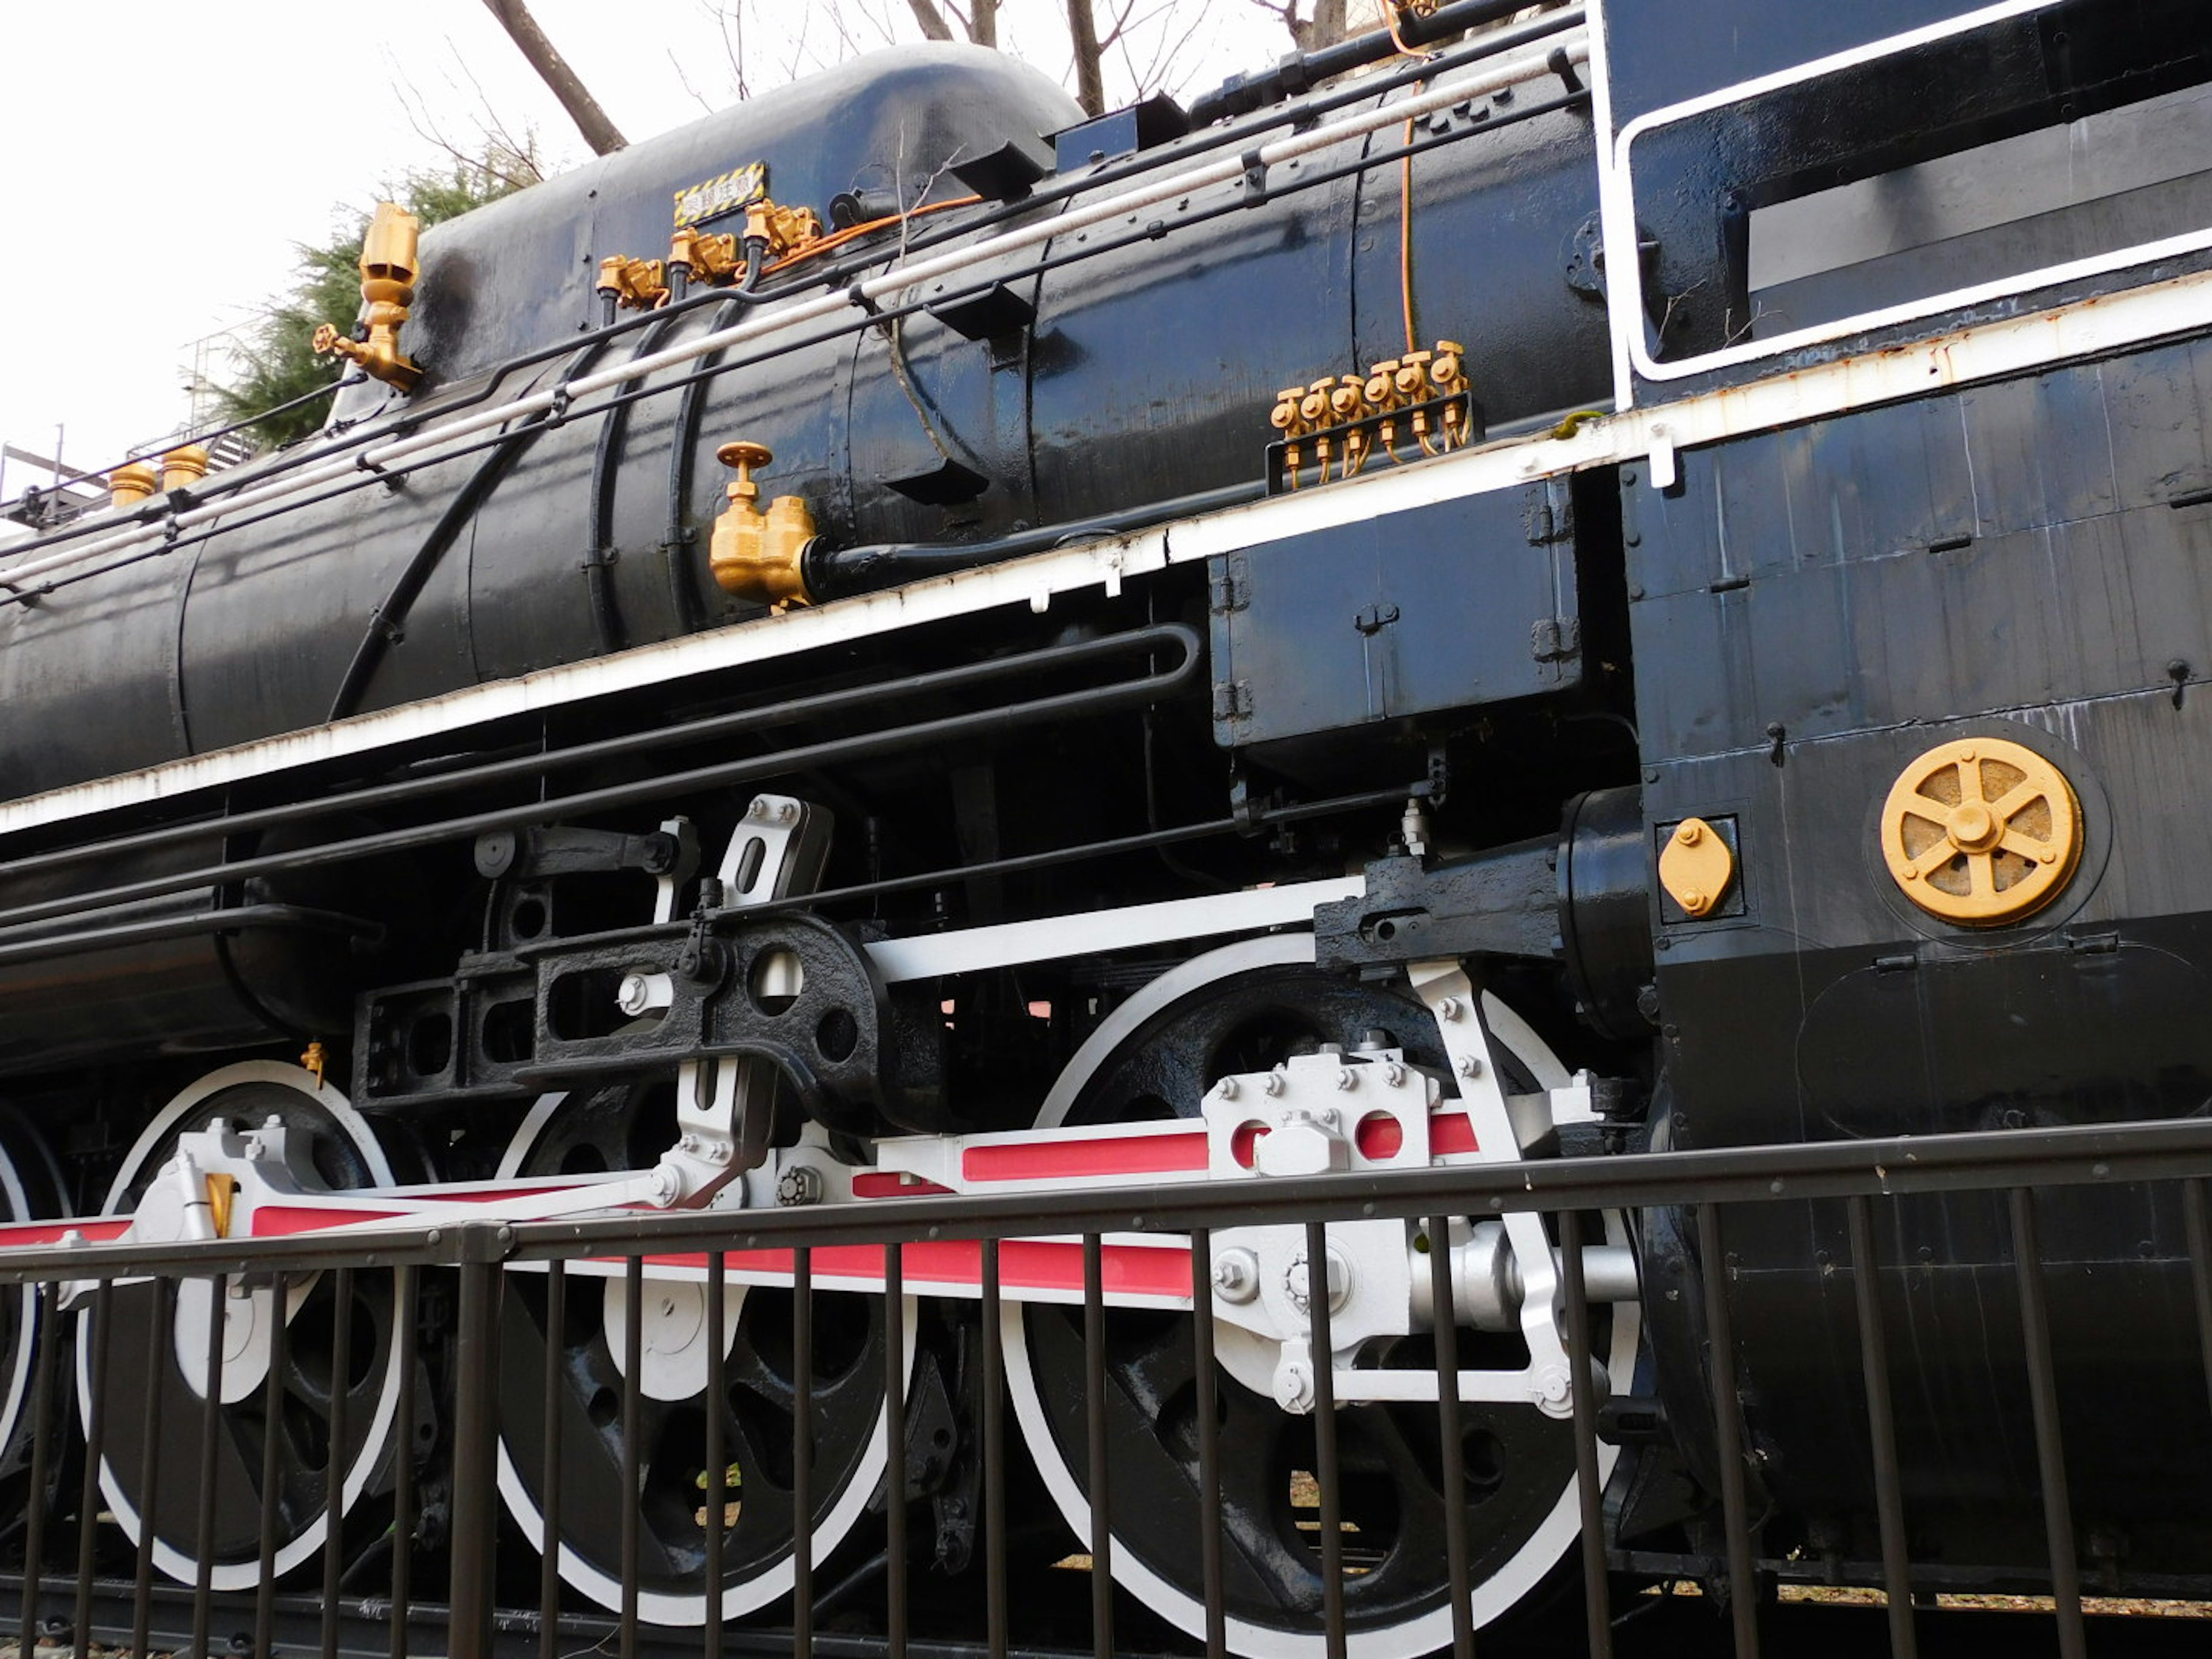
633, 1455
549, 1478
1585, 1369
718, 1454
403, 1462
1882, 1429
2199, 1223
46, 1337
1327, 1473
211, 1444
341, 1410
160, 1343
1209, 1443
2050, 1448
895, 1448
476, 1429
95, 1437
272, 1475
1444, 1322
1728, 1426
994, 1458
802, 1453
1094, 1434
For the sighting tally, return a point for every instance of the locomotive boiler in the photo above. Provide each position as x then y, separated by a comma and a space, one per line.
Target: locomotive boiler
1613, 582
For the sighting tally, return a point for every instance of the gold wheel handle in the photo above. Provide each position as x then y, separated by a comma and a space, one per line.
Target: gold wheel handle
1981, 832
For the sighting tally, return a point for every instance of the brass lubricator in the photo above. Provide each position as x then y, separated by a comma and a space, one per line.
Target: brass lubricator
632, 285
1406, 407
1696, 867
709, 259
388, 269
1981, 832
760, 555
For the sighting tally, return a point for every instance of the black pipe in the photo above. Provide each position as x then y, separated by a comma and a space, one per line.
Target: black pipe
1240, 95
51, 946
535, 763
682, 535
845, 571
599, 553
948, 730
386, 622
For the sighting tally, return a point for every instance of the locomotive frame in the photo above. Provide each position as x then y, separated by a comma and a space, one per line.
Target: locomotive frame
1387, 697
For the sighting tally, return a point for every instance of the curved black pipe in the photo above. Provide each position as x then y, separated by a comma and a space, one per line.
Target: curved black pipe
682, 535
600, 556
841, 572
388, 621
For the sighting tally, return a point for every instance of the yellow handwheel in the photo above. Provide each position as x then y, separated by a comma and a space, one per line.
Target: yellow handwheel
1981, 832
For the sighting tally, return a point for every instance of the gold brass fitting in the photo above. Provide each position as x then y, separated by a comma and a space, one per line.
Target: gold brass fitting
710, 259
784, 230
633, 284
1349, 401
1447, 368
388, 269
128, 485
1982, 832
184, 467
1382, 385
759, 555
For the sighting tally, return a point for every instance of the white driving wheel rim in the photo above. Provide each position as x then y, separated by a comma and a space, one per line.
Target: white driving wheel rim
175, 1562
657, 1607
1547, 1544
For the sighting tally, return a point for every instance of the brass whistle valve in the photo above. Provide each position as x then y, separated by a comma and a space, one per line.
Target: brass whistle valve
388, 270
759, 555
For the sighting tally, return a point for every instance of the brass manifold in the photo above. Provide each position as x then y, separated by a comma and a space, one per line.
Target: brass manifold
711, 260
757, 555
388, 270
1331, 428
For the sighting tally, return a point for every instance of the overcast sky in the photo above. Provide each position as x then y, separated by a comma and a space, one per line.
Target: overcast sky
162, 162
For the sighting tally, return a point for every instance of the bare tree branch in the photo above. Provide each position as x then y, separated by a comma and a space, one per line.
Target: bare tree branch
934, 25
553, 70
1089, 82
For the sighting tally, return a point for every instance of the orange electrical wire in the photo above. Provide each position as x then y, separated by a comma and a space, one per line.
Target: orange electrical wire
837, 238
1390, 10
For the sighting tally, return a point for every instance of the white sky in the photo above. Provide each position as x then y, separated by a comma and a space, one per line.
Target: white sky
158, 163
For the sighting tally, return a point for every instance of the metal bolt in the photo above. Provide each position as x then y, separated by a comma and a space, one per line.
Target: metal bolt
1450, 1008
1236, 1275
1688, 834
1695, 902
797, 1187
1469, 1066
1293, 1386
1394, 1075
1273, 1084
1348, 1079
633, 996
787, 812
1226, 1088
758, 809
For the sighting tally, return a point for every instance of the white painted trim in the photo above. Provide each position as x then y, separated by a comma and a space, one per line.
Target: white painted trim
1617, 198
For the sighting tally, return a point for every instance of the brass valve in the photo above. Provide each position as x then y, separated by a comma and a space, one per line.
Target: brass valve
784, 230
128, 485
1382, 385
1349, 401
709, 259
633, 284
759, 555
1447, 368
1412, 375
184, 467
1289, 417
388, 269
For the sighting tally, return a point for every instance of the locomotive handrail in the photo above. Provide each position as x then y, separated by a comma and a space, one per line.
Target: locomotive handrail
438, 441
2077, 1155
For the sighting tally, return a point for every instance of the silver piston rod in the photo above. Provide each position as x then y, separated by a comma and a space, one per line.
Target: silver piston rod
1486, 1278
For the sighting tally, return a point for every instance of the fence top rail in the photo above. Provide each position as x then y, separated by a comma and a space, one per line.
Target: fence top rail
1902, 1166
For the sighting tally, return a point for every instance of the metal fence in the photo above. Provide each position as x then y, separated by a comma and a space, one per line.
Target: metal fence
64, 1578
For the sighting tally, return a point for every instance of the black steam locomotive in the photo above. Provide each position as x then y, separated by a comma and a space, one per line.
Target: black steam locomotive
1631, 577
